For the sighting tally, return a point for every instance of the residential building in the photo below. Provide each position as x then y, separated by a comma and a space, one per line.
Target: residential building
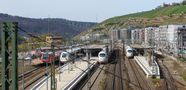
121, 34
138, 36
134, 36
157, 37
115, 35
94, 37
149, 36
172, 38
166, 38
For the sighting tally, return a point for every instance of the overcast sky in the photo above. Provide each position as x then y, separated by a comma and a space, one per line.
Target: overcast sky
79, 10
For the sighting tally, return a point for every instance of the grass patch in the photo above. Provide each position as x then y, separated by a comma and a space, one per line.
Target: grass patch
184, 75
154, 17
166, 11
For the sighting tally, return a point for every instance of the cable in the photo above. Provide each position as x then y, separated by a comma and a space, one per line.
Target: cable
31, 35
39, 39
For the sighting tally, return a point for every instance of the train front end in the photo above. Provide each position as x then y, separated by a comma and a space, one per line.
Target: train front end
103, 57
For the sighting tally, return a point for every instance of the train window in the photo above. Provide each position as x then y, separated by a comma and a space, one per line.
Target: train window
64, 55
102, 55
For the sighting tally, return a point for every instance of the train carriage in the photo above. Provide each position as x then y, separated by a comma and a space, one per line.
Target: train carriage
69, 55
47, 57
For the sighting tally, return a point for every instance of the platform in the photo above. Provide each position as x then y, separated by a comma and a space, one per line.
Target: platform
65, 75
150, 71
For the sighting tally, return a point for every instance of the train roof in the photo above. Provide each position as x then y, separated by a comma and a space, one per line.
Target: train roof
128, 47
46, 52
49, 48
102, 51
73, 50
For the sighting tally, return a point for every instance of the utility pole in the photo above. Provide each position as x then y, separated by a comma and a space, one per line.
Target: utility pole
53, 81
48, 54
181, 41
46, 72
88, 66
123, 46
23, 85
46, 75
9, 34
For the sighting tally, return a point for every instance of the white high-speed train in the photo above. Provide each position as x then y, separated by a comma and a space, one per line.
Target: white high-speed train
68, 55
129, 52
103, 57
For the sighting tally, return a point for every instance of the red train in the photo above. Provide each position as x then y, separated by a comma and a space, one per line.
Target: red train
45, 54
47, 57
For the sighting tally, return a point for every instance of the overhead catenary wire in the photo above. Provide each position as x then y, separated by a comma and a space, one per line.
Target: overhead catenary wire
52, 66
39, 39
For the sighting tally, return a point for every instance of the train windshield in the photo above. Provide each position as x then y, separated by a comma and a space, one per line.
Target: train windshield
64, 55
102, 55
45, 56
129, 51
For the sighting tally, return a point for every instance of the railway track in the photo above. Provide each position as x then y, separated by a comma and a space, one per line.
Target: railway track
25, 74
130, 70
27, 80
117, 83
96, 78
125, 73
119, 80
168, 78
114, 78
114, 75
138, 85
142, 83
135, 77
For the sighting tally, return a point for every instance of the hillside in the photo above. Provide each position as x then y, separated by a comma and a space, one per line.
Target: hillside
174, 14
169, 11
63, 27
